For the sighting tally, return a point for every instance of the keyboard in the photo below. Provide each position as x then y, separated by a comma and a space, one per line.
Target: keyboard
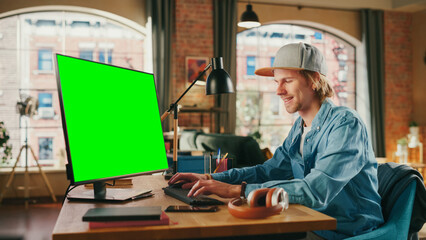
181, 194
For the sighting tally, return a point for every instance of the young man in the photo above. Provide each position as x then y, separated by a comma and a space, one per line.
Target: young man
325, 163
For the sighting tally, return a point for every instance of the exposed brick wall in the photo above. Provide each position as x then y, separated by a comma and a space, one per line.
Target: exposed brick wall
398, 77
193, 37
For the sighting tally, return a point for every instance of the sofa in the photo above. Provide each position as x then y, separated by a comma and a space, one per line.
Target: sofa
244, 151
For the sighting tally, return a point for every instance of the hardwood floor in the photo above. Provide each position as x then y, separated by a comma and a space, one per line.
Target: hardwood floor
34, 223
38, 221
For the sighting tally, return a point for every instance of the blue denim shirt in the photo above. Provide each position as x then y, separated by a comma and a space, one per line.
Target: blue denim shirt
336, 176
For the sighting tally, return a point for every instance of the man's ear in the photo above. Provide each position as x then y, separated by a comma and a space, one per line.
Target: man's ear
315, 81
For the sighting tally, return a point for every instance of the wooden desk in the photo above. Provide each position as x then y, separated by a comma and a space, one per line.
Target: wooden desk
297, 218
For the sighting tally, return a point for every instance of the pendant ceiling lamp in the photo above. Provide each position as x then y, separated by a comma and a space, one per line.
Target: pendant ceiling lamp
249, 18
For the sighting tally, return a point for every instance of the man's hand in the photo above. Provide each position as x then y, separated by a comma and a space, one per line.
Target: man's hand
201, 185
189, 178
221, 189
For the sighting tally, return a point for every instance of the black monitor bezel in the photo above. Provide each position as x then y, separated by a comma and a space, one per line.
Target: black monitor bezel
69, 167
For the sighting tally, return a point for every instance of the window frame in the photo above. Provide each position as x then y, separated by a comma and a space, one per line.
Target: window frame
16, 15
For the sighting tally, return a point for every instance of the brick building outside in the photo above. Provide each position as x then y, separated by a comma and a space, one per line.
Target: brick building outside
27, 69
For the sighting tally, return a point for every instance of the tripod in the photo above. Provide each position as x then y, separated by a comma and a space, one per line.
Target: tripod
26, 174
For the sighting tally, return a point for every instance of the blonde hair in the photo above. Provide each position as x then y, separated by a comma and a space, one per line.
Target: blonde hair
322, 87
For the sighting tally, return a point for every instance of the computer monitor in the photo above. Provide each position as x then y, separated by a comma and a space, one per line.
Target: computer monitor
111, 125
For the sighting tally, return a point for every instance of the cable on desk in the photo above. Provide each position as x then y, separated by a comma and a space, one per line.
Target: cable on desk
67, 191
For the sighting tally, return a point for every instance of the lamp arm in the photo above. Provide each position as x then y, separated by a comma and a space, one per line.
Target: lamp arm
172, 106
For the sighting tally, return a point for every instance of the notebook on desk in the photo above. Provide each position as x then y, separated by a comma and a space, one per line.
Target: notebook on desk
164, 220
182, 195
123, 214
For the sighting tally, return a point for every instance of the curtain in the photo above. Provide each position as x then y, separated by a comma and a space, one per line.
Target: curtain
162, 20
225, 33
372, 37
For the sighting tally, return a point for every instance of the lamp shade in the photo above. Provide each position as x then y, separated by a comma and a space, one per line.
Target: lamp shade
219, 81
249, 18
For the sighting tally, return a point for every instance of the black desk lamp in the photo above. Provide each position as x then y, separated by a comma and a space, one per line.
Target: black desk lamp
218, 82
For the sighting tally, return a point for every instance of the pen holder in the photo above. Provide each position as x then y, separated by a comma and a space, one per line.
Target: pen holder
212, 164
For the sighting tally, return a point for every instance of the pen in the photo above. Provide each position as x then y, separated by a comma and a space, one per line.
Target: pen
220, 162
143, 195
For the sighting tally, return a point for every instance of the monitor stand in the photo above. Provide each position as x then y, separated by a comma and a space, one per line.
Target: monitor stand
99, 189
99, 193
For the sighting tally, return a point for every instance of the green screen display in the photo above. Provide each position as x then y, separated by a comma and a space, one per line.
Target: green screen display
111, 120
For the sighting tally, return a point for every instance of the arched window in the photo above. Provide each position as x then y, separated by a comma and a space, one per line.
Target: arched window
28, 41
260, 112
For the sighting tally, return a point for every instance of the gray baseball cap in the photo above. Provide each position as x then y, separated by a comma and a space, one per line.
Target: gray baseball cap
296, 56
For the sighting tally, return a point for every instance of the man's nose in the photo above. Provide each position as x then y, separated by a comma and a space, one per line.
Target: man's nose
281, 90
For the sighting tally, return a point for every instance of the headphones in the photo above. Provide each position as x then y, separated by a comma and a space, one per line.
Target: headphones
262, 203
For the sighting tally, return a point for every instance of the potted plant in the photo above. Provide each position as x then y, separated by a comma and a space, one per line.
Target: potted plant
5, 149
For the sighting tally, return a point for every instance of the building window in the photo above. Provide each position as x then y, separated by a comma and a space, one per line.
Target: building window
47, 23
251, 34
45, 59
318, 36
299, 36
258, 107
45, 148
86, 54
251, 65
105, 56
272, 61
45, 109
45, 100
277, 35
81, 24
